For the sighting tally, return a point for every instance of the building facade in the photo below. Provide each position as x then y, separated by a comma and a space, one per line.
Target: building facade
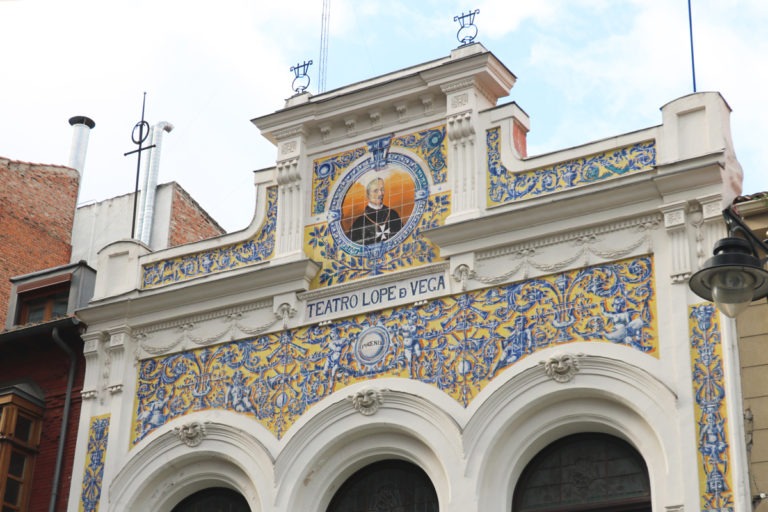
423, 317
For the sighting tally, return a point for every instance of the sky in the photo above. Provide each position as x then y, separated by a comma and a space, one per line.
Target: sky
586, 70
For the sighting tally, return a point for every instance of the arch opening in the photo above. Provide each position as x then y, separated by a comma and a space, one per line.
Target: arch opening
219, 499
386, 486
586, 472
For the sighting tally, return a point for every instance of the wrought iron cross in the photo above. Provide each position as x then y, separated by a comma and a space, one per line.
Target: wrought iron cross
142, 127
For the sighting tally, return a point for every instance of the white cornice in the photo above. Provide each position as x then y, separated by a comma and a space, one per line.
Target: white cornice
482, 68
195, 297
641, 222
548, 216
195, 319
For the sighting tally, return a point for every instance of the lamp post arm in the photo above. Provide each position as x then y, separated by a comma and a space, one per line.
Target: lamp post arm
736, 225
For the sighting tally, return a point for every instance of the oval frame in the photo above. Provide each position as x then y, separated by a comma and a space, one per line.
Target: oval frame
334, 212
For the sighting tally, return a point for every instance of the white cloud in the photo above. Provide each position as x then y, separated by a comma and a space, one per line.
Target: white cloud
586, 69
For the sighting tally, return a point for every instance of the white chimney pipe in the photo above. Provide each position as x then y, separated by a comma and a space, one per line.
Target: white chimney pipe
81, 126
147, 215
144, 187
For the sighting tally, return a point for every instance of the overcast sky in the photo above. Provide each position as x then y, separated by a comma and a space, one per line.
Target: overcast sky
586, 69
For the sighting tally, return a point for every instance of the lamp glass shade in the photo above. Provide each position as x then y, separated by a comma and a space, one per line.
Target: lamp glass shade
732, 290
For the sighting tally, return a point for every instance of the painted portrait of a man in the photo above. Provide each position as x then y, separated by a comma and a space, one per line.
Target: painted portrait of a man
378, 222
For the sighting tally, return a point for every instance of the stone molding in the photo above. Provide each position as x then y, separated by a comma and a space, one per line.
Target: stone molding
584, 245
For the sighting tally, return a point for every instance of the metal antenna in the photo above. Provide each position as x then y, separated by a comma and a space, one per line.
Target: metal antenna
142, 127
323, 70
690, 32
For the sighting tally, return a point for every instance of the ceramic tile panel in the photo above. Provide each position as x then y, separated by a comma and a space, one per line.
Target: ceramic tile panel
371, 204
458, 344
712, 424
98, 435
257, 249
506, 187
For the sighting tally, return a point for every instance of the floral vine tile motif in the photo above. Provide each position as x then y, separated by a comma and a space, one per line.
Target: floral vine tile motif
505, 187
710, 409
458, 344
98, 435
371, 204
257, 249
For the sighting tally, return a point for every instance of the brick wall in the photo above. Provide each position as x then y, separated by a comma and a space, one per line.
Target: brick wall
189, 222
37, 207
21, 360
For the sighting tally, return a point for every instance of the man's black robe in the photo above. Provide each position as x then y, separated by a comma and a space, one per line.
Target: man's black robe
375, 226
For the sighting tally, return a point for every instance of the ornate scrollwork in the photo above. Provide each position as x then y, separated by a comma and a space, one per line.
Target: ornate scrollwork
562, 367
191, 434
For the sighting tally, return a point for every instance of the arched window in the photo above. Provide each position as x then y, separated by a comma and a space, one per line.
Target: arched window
386, 486
584, 473
214, 499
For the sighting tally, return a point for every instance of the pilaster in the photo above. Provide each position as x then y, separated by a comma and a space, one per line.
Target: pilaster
709, 226
290, 204
675, 222
115, 351
463, 98
91, 351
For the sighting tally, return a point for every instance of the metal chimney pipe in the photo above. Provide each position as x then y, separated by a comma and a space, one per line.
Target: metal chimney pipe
81, 130
144, 187
147, 215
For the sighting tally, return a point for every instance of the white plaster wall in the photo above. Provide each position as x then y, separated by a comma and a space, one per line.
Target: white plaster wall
99, 224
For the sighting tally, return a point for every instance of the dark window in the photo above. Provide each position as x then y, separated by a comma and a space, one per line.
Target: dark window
43, 305
585, 473
214, 499
386, 486
20, 423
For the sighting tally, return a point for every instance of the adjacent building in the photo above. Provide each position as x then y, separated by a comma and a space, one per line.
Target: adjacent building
174, 219
37, 208
753, 338
421, 316
41, 352
48, 254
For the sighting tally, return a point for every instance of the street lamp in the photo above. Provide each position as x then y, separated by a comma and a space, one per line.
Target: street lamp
735, 275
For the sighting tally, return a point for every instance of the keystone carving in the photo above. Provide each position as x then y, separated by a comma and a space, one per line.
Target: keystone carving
366, 401
562, 367
191, 434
